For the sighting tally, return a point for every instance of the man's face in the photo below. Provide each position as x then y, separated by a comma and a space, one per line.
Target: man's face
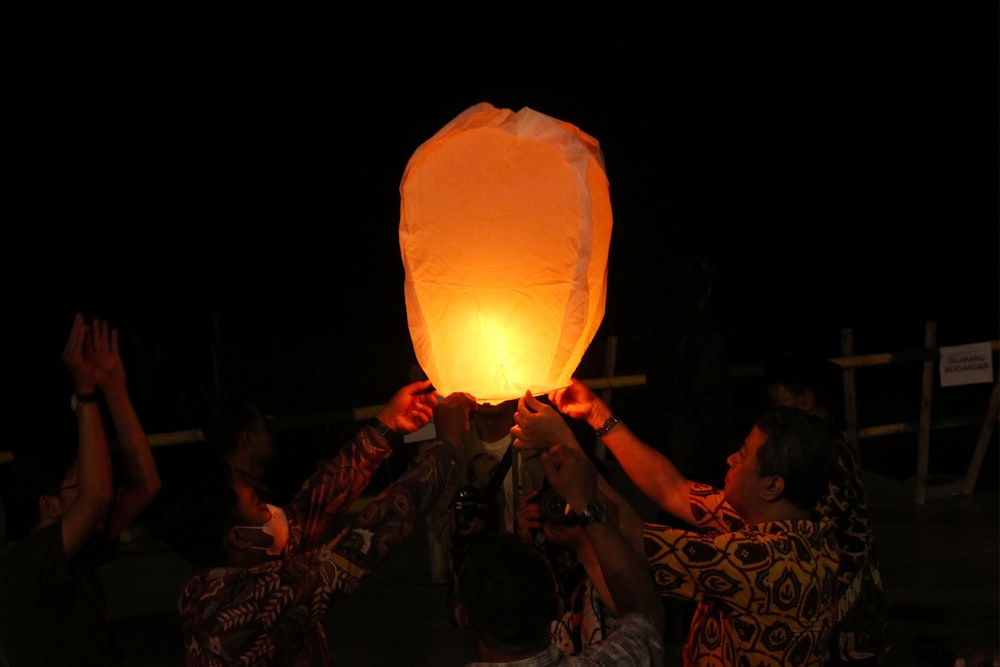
744, 483
250, 509
56, 501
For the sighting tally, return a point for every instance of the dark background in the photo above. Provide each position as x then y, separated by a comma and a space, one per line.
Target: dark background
231, 179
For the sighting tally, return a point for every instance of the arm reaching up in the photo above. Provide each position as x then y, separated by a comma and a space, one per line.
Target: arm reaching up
141, 481
614, 564
94, 489
652, 472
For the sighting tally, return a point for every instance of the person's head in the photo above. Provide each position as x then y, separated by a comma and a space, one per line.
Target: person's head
496, 410
785, 460
807, 383
506, 595
215, 517
239, 433
689, 281
45, 486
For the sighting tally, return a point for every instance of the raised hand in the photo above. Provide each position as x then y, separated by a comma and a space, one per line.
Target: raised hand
110, 371
410, 408
537, 425
529, 515
571, 474
576, 400
76, 357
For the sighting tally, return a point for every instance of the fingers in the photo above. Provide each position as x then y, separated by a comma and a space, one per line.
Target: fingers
114, 342
99, 337
533, 403
76, 335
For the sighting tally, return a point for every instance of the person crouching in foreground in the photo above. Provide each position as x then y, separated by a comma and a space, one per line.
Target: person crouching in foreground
507, 595
266, 573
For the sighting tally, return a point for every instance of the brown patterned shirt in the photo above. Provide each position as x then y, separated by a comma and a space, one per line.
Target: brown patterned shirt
765, 592
860, 632
271, 614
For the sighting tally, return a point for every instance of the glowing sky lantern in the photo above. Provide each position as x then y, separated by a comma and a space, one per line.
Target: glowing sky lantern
505, 225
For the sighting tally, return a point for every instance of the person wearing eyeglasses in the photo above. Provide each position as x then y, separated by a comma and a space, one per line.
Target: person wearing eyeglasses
72, 515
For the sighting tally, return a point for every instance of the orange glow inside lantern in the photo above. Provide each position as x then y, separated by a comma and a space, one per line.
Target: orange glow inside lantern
505, 226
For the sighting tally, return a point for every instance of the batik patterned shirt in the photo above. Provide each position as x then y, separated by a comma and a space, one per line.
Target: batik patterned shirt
635, 642
765, 592
860, 632
270, 614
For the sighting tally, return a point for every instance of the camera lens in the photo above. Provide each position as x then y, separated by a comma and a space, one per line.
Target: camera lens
554, 509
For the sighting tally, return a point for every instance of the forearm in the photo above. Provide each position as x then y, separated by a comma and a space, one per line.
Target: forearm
392, 515
338, 482
140, 483
651, 471
137, 457
622, 574
94, 491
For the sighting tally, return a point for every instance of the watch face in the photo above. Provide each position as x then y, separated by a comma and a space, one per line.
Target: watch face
596, 511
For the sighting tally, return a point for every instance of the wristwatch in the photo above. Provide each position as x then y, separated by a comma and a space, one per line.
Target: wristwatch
595, 511
76, 400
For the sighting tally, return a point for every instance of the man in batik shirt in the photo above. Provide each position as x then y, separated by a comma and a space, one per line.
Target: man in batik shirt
761, 569
266, 574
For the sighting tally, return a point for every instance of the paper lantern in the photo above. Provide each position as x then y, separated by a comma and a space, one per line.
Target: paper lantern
505, 225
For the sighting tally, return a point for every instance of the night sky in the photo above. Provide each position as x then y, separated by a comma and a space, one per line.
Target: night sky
837, 166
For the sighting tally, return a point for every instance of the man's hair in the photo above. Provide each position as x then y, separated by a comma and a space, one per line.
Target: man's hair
231, 416
198, 512
801, 449
507, 590
36, 471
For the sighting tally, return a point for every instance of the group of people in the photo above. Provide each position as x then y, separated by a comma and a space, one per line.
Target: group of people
779, 561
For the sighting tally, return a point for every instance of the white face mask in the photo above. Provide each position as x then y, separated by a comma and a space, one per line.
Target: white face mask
276, 527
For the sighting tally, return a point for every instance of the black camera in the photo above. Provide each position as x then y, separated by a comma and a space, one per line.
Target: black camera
555, 509
469, 505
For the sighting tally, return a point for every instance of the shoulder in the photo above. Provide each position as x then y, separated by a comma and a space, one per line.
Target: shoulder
37, 557
634, 641
712, 511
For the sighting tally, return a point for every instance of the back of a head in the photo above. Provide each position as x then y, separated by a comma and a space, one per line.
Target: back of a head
799, 372
508, 592
801, 448
231, 416
197, 512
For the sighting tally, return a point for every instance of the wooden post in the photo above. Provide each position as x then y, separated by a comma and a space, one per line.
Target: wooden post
850, 395
610, 358
924, 437
992, 413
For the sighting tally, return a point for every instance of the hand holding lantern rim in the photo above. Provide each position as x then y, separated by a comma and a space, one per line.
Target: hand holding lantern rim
539, 426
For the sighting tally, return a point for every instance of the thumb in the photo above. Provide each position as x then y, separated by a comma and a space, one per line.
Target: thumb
531, 401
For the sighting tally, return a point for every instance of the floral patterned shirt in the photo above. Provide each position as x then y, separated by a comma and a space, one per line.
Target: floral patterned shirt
765, 592
270, 614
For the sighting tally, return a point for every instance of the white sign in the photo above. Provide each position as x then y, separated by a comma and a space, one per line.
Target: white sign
966, 364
